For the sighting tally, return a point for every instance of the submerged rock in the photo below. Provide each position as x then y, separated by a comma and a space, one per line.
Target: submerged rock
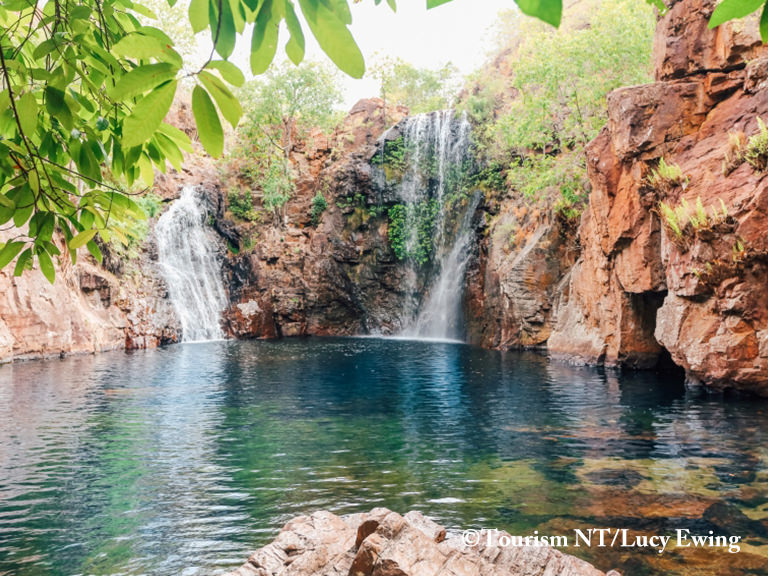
384, 543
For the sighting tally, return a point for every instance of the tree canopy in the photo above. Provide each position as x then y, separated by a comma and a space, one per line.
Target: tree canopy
280, 107
420, 89
86, 85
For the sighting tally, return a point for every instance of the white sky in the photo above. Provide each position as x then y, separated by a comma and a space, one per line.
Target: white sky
457, 32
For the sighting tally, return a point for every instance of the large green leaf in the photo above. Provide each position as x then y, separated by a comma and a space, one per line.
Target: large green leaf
334, 37
227, 34
181, 139
145, 46
228, 104
23, 263
26, 106
764, 24
82, 239
296, 45
550, 11
341, 9
95, 251
57, 106
198, 15
730, 9
228, 71
264, 39
46, 265
435, 3
147, 115
208, 123
6, 202
170, 150
141, 79
9, 252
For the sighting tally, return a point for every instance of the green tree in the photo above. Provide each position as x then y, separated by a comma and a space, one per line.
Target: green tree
538, 116
282, 107
288, 101
420, 89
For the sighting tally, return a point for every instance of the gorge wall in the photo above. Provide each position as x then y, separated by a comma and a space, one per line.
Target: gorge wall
637, 289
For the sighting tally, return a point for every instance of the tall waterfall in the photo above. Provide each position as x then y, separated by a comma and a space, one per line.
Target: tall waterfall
439, 205
190, 268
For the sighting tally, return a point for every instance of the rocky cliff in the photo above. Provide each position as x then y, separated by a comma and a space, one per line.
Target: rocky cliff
337, 275
646, 284
88, 309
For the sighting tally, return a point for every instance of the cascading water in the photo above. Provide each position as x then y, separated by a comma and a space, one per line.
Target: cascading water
437, 208
190, 268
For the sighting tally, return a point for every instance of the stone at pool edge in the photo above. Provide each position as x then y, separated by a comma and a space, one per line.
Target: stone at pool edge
384, 543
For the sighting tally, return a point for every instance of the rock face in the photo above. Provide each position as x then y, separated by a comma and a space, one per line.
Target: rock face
639, 290
384, 543
523, 256
336, 276
88, 309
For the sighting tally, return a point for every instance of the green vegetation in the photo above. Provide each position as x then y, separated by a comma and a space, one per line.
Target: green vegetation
753, 151
419, 89
127, 245
349, 201
392, 158
734, 156
241, 205
678, 218
319, 204
713, 272
280, 110
423, 214
756, 150
666, 177
539, 103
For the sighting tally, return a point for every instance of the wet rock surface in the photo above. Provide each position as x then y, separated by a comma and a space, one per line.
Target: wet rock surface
384, 543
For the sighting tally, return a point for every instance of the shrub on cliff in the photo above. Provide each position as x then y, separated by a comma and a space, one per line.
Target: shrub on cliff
281, 109
543, 97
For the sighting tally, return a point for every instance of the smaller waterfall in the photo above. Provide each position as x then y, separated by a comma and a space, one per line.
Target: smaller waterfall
190, 268
428, 177
440, 315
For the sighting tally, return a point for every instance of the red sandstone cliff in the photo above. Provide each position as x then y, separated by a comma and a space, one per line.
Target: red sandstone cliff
637, 289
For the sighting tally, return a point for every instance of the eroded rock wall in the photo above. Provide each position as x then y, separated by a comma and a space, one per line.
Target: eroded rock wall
638, 289
88, 309
337, 276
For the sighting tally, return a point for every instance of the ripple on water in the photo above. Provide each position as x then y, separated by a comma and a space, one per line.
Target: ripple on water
184, 459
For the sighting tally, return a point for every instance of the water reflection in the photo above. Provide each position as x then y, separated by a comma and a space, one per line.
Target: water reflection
182, 460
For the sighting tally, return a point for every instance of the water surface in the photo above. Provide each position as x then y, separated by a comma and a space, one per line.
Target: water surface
183, 460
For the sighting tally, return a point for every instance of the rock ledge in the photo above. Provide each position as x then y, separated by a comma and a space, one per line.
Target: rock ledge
384, 543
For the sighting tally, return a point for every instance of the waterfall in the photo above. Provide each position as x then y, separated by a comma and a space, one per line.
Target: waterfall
190, 268
440, 314
433, 154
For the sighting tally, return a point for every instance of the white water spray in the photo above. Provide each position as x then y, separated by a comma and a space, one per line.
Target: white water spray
190, 268
438, 151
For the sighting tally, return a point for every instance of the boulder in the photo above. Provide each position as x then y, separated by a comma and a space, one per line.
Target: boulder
384, 543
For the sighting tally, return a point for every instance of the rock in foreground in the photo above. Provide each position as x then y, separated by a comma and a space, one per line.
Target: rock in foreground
384, 543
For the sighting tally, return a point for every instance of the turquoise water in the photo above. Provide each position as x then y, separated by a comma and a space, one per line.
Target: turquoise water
185, 459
